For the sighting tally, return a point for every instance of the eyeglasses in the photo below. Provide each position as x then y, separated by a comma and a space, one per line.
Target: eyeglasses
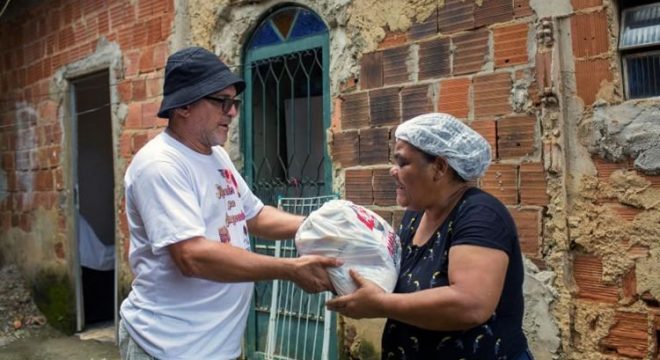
225, 102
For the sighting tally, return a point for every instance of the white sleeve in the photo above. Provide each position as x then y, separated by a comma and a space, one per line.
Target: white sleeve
165, 199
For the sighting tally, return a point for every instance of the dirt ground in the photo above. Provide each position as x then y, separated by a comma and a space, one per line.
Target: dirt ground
25, 333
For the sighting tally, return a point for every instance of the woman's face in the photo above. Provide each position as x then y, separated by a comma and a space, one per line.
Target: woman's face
414, 177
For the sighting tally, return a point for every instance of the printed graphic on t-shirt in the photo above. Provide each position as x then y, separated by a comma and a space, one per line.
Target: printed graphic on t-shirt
227, 190
224, 235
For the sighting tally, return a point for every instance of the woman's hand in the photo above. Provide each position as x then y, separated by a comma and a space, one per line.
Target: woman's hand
365, 302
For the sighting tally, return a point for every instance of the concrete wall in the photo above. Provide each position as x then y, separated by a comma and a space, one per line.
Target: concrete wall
576, 164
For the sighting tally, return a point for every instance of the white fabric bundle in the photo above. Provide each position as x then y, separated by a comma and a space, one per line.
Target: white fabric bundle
356, 235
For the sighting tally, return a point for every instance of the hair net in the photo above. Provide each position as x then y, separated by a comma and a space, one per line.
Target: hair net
467, 152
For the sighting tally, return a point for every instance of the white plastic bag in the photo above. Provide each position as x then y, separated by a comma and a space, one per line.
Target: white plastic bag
356, 235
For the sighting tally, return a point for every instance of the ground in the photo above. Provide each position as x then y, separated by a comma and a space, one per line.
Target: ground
25, 333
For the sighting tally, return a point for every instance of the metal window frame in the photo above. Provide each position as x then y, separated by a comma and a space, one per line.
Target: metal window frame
634, 51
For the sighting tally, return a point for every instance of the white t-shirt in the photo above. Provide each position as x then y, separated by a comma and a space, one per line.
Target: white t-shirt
174, 193
94, 254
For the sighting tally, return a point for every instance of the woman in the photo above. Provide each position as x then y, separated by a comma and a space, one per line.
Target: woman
459, 291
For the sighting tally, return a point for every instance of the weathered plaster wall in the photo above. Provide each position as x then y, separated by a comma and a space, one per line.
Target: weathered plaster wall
605, 226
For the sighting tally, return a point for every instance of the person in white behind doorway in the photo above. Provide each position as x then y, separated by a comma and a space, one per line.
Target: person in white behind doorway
459, 291
189, 213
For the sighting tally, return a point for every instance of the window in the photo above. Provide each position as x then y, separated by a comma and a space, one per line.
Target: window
639, 44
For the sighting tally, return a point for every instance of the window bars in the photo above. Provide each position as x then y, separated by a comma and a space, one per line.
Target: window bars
639, 44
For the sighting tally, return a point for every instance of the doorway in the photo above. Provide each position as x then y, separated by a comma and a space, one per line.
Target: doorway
94, 199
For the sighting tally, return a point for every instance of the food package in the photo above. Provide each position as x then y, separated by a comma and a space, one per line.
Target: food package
359, 237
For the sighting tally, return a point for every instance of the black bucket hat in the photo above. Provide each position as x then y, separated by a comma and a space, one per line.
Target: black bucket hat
191, 74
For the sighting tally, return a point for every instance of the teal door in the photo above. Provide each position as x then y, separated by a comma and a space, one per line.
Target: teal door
286, 114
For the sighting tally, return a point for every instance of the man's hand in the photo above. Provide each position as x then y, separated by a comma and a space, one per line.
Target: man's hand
309, 272
365, 302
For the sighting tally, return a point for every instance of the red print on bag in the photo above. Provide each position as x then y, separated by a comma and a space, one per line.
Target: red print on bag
364, 217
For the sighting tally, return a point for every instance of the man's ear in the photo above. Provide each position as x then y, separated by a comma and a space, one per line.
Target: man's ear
183, 111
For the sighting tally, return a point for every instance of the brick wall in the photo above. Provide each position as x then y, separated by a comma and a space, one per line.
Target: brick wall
36, 42
473, 82
469, 61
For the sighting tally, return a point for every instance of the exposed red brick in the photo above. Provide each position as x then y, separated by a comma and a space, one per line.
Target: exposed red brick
488, 130
416, 100
516, 136
374, 146
355, 111
470, 52
588, 273
434, 58
630, 285
583, 4
605, 168
511, 45
384, 188
589, 76
521, 8
385, 214
533, 185
134, 116
125, 90
528, 224
161, 52
345, 148
384, 106
455, 16
125, 144
629, 335
371, 70
501, 180
624, 211
590, 34
393, 39
454, 98
154, 87
493, 11
358, 185
147, 59
139, 90
395, 70
427, 27
138, 141
491, 94
149, 118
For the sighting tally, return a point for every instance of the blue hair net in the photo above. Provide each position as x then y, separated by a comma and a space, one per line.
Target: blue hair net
467, 152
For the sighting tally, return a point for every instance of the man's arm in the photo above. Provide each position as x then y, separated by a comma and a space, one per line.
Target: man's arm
272, 223
203, 258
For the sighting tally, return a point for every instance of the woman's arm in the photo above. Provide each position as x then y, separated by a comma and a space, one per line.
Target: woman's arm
476, 278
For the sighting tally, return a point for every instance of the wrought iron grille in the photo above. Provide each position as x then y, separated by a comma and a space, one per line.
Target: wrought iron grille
288, 146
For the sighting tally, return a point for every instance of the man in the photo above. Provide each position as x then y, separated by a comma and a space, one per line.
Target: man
189, 214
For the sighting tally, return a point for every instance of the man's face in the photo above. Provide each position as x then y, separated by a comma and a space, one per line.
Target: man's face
209, 123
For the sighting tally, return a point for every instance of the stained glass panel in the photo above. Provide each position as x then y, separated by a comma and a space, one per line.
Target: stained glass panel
265, 35
307, 23
283, 20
